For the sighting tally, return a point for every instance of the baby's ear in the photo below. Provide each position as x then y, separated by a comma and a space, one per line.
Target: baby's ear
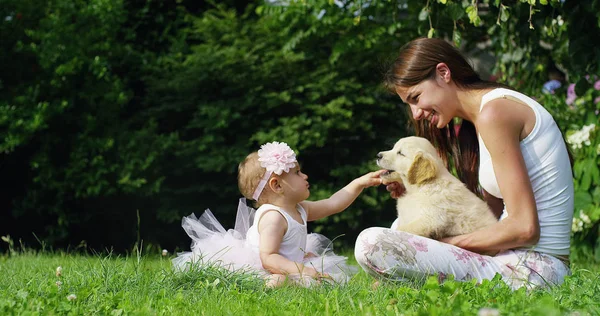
274, 184
422, 169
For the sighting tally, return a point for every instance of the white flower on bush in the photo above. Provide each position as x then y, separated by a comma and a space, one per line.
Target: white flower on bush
582, 222
559, 20
581, 137
577, 225
584, 218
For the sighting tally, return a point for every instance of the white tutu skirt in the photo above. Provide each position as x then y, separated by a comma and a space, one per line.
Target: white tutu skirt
212, 245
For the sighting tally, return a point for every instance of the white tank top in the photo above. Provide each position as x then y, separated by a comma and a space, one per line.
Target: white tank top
293, 244
549, 170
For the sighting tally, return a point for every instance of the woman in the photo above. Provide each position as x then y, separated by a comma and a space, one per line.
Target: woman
509, 145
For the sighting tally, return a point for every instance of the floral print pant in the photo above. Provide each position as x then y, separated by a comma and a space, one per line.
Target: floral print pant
395, 255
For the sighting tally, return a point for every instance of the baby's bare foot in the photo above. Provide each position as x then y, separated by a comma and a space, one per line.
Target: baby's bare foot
275, 281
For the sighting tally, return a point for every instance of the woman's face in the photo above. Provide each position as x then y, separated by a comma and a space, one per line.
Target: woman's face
432, 99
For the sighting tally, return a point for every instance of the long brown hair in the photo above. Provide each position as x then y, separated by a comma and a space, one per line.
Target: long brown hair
417, 62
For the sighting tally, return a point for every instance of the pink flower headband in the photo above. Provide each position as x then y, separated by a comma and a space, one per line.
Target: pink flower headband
276, 157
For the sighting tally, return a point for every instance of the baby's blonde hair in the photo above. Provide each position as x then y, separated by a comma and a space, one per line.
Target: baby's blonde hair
249, 174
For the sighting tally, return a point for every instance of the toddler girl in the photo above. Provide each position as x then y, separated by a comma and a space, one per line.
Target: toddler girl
273, 240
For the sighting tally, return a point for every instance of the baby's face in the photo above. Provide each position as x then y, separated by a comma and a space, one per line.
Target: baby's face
295, 184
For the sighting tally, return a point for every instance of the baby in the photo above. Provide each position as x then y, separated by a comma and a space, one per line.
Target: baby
273, 240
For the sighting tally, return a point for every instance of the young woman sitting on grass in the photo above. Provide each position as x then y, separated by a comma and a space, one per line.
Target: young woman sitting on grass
510, 146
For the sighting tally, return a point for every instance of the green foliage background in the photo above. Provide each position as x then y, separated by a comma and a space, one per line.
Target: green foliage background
114, 108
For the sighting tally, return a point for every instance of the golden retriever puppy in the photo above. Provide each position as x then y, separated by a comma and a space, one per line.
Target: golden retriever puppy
435, 204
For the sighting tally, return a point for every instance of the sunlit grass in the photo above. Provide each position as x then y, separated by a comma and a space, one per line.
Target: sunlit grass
116, 285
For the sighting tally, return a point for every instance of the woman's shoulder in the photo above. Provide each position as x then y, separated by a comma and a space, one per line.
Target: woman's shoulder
507, 112
499, 113
503, 108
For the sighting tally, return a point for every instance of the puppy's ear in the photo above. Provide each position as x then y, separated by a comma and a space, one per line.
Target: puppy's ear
421, 170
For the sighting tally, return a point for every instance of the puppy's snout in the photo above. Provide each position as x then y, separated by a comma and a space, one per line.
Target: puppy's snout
379, 156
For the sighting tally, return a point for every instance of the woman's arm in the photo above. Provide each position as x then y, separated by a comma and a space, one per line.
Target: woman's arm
501, 124
495, 204
340, 200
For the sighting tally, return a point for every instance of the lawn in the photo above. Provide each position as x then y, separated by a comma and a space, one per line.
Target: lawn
108, 284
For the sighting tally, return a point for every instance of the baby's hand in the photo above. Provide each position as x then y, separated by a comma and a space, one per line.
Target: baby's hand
311, 272
309, 255
371, 179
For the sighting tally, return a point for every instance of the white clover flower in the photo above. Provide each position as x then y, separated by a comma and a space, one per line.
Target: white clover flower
58, 271
165, 252
72, 297
58, 283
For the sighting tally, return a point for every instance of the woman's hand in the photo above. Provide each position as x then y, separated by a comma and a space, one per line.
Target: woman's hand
396, 189
454, 240
461, 242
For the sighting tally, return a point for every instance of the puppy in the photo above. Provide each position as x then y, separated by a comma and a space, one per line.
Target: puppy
436, 204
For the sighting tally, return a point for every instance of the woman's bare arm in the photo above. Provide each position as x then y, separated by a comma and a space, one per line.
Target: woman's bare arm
500, 125
495, 204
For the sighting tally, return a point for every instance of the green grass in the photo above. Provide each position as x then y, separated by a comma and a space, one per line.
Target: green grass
147, 285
